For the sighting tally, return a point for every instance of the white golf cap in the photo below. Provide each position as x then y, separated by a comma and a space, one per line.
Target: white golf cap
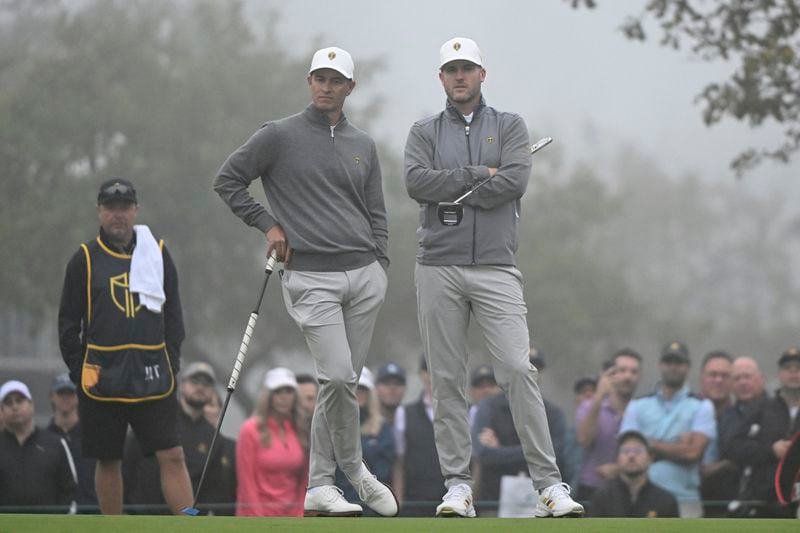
335, 58
280, 377
14, 386
460, 48
367, 380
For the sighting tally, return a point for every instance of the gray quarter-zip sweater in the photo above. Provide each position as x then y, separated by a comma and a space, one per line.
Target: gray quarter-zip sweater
444, 158
323, 184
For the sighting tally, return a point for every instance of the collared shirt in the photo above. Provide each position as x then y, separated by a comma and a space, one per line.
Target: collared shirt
666, 419
603, 448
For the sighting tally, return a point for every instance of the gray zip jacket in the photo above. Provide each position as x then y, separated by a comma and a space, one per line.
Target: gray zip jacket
444, 158
323, 184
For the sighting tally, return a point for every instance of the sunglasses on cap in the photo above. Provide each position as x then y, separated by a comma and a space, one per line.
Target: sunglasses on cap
118, 189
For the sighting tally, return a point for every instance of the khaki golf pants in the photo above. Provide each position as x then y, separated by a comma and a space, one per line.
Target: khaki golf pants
447, 298
336, 312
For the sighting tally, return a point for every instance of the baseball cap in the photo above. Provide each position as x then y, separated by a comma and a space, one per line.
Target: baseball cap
62, 382
199, 367
633, 434
366, 380
391, 370
14, 386
481, 373
460, 48
335, 58
791, 354
675, 350
280, 377
116, 189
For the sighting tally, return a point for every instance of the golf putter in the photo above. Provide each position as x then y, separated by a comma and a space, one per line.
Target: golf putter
451, 213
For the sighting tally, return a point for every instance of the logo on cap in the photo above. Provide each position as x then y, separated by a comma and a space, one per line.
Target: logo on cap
490, 139
331, 55
456, 46
357, 159
674, 346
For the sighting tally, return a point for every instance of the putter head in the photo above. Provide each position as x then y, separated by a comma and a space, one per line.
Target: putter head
450, 213
190, 511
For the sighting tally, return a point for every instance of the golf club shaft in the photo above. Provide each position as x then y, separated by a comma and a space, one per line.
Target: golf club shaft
534, 148
237, 368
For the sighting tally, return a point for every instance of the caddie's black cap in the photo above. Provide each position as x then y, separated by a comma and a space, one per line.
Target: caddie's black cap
675, 350
791, 354
116, 189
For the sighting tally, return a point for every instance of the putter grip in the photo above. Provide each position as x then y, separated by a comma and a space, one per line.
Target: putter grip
237, 366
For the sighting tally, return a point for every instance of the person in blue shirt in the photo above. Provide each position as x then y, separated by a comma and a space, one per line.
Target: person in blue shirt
678, 426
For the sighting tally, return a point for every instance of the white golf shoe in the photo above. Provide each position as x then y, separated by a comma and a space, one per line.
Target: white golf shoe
328, 500
555, 501
457, 503
375, 494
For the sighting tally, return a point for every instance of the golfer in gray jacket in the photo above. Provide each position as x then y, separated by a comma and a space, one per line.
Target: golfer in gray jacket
323, 181
468, 271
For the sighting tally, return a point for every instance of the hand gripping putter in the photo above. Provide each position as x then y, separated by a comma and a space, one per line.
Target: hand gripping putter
237, 368
451, 213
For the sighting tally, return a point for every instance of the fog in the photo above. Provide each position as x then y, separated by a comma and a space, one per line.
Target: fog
635, 230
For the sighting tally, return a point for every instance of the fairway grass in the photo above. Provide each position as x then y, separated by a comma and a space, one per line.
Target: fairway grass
168, 524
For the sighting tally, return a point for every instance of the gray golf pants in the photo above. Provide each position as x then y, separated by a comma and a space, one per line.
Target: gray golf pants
336, 312
447, 296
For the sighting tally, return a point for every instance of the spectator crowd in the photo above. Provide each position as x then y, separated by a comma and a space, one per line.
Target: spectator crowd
666, 452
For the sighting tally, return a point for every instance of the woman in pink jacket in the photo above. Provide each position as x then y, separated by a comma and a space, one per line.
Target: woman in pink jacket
272, 452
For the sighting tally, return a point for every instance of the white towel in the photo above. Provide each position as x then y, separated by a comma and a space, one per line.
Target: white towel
147, 270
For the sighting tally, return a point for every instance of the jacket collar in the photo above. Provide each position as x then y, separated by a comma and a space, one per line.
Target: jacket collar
452, 112
320, 119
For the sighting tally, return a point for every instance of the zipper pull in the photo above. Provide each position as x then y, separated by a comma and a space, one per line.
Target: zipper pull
332, 131
466, 130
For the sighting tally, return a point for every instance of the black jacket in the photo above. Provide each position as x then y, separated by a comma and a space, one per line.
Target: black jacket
614, 500
760, 427
34, 474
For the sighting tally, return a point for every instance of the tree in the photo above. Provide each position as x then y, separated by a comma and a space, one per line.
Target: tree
762, 36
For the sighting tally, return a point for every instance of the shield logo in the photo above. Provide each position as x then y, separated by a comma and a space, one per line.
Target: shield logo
121, 296
456, 46
331, 55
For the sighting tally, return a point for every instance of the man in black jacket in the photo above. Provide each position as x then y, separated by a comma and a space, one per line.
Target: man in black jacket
120, 330
632, 494
763, 439
35, 473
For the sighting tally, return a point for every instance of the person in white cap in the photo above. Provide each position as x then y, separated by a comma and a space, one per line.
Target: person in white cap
272, 451
328, 224
35, 464
469, 271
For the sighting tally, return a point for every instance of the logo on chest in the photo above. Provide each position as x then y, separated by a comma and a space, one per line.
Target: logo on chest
121, 296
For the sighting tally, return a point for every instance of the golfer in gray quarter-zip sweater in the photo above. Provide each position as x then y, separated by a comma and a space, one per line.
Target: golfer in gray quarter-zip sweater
468, 272
323, 182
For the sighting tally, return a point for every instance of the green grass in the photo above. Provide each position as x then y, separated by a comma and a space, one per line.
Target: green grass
167, 524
